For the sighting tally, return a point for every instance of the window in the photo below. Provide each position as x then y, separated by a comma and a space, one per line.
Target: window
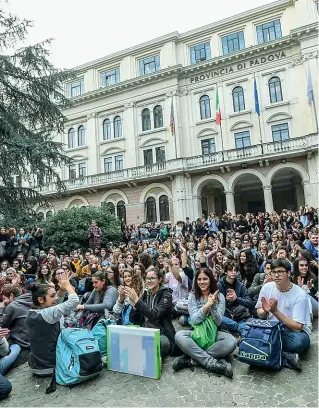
119, 162
72, 172
280, 132
208, 146
75, 88
200, 52
275, 92
149, 65
204, 104
109, 78
238, 99
242, 139
71, 138
41, 216
82, 169
106, 129
233, 42
49, 214
117, 126
158, 117
269, 31
111, 207
148, 157
151, 210
81, 136
160, 154
164, 208
108, 164
121, 211
146, 120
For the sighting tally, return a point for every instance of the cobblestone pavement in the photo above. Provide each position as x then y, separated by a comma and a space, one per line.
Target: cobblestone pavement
251, 388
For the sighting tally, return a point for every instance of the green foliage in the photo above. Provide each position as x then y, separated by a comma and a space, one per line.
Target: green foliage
31, 99
22, 220
67, 229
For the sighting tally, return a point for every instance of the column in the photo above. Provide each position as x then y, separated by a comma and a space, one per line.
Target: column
230, 202
269, 205
182, 198
308, 195
299, 195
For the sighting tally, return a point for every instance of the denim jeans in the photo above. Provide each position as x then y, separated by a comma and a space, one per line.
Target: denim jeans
165, 346
5, 387
7, 361
294, 342
232, 326
314, 306
224, 346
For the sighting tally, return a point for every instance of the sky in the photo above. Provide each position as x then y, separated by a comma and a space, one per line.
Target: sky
85, 30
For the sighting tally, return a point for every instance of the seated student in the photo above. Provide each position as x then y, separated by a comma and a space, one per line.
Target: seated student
305, 279
283, 301
204, 301
92, 267
123, 305
238, 302
153, 309
260, 279
44, 323
14, 318
103, 296
176, 280
113, 274
8, 356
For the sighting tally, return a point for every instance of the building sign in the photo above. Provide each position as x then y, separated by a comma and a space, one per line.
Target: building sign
238, 67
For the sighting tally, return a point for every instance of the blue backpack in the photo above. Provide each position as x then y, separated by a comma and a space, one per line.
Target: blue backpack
77, 357
261, 344
99, 332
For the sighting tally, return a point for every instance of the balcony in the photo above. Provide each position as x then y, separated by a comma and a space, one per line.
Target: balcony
271, 151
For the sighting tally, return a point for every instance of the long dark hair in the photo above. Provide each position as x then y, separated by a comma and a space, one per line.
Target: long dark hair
212, 283
296, 273
115, 269
250, 268
100, 275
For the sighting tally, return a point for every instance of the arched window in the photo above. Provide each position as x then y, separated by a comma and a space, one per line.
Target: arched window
164, 208
41, 216
107, 129
151, 210
121, 211
238, 99
71, 138
275, 92
111, 207
81, 136
158, 116
49, 214
117, 127
204, 104
146, 120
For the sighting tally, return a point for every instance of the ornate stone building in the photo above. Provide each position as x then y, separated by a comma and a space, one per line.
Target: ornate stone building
118, 130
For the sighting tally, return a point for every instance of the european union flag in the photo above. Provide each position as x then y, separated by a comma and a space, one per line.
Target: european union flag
257, 110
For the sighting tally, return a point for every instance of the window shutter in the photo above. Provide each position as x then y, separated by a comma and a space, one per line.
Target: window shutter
117, 75
142, 67
207, 49
260, 36
241, 40
157, 63
192, 55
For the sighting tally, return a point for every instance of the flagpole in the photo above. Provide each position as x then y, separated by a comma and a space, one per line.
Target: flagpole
257, 110
261, 141
172, 125
175, 145
315, 110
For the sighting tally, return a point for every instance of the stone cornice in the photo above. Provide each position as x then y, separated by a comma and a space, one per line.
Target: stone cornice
304, 31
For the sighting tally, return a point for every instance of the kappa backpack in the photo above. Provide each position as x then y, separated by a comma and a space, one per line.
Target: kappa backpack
261, 344
78, 356
99, 332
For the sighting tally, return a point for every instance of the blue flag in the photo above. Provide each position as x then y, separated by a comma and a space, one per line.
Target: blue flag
257, 110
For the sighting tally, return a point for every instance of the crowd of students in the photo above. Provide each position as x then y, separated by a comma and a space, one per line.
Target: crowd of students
229, 268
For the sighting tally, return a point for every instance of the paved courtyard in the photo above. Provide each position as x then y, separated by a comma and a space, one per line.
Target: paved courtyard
248, 388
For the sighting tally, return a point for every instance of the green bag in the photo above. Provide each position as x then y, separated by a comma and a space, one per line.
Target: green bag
204, 333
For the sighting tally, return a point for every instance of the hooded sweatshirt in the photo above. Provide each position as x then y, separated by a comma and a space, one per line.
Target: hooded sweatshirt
14, 318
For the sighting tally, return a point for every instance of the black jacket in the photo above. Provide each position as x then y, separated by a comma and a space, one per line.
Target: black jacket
158, 310
243, 298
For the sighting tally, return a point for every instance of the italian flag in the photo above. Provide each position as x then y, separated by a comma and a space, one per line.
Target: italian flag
218, 113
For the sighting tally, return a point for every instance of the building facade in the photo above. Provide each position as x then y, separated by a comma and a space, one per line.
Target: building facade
118, 129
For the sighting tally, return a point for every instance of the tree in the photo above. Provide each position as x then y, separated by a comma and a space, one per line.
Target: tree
31, 100
67, 229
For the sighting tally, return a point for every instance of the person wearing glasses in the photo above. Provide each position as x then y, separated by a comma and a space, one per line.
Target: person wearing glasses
153, 309
283, 301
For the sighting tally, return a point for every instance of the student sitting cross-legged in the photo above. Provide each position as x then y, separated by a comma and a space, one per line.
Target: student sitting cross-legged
205, 301
286, 302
